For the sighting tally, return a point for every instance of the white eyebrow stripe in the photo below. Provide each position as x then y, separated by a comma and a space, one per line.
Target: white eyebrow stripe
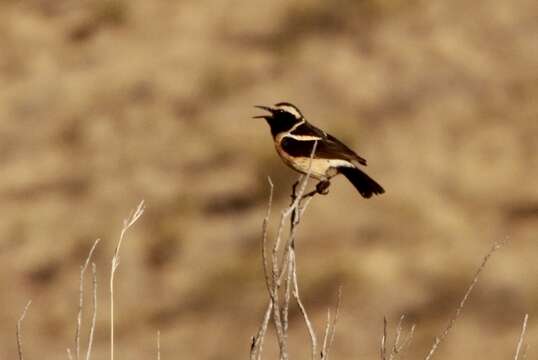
291, 110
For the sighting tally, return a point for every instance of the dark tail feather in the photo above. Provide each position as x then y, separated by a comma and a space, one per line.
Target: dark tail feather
362, 182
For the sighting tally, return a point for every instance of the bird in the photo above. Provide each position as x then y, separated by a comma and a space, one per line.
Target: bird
294, 139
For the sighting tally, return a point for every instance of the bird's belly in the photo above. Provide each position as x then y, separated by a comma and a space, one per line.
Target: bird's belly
319, 168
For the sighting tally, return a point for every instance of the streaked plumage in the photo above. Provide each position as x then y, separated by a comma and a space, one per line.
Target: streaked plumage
294, 140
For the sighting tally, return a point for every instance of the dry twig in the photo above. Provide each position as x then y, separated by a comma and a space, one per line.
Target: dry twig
330, 327
257, 341
311, 332
399, 345
19, 330
438, 340
522, 339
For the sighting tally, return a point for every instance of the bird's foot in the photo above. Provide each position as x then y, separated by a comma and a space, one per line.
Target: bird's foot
322, 187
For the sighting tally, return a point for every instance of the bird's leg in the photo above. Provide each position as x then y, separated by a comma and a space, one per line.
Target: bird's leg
322, 187
309, 194
294, 191
293, 198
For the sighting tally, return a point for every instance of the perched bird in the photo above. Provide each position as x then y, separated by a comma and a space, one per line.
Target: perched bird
294, 139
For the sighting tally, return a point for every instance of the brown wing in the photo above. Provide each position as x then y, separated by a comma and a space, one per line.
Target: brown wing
328, 146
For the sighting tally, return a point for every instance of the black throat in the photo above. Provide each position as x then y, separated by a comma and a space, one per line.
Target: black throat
282, 123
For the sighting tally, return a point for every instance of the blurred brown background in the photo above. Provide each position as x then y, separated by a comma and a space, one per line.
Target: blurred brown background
107, 102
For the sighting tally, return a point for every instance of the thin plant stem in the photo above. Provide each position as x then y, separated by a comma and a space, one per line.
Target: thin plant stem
19, 330
127, 223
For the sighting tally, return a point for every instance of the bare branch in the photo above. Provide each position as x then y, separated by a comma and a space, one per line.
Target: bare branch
522, 338
275, 297
280, 267
265, 235
452, 322
288, 262
287, 295
330, 329
19, 330
311, 332
257, 341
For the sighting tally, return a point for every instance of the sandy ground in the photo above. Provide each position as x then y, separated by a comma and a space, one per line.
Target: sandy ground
107, 102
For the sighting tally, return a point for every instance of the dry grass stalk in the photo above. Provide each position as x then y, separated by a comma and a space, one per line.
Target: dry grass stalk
383, 347
19, 330
130, 221
522, 340
127, 223
94, 311
401, 342
438, 340
158, 345
83, 268
398, 346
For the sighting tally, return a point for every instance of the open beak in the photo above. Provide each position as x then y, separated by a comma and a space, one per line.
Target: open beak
266, 108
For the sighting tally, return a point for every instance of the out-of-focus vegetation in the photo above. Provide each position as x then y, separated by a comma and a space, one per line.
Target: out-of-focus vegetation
107, 102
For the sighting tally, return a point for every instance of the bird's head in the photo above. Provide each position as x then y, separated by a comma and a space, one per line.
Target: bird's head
282, 116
